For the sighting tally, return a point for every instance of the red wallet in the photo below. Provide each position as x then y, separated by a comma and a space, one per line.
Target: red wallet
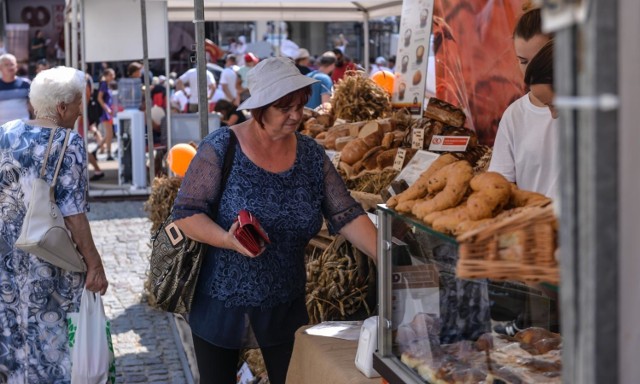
250, 233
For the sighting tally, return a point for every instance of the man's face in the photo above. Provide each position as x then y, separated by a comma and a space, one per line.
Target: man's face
8, 68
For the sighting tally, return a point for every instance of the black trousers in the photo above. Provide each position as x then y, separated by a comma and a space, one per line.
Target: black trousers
220, 365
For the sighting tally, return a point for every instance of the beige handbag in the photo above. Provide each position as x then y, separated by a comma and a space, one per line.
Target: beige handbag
44, 233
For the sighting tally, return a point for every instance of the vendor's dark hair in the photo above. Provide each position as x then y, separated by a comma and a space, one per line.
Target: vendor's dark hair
301, 94
529, 24
540, 68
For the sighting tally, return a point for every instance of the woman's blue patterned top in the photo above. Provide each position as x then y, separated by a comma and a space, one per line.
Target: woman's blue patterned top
290, 206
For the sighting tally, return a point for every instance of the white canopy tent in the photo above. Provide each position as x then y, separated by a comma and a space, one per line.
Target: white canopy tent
292, 10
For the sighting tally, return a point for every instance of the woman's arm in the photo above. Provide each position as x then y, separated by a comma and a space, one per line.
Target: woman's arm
233, 118
201, 228
363, 234
104, 105
80, 230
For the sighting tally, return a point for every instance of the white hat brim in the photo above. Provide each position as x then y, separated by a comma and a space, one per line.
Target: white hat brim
268, 96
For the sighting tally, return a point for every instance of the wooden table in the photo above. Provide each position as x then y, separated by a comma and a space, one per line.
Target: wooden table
324, 360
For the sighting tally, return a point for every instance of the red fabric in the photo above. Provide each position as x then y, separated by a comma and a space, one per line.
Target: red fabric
338, 72
476, 66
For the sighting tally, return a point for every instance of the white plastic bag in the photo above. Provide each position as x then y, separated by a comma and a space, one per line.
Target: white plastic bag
92, 358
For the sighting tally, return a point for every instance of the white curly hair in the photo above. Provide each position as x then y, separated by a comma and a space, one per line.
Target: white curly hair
54, 86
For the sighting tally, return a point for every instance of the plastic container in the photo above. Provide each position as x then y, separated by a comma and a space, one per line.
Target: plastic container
130, 93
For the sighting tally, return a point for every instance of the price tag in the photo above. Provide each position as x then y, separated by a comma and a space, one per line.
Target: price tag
449, 143
398, 162
336, 160
417, 138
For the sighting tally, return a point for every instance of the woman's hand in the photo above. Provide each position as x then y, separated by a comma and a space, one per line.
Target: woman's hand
108, 110
232, 243
97, 279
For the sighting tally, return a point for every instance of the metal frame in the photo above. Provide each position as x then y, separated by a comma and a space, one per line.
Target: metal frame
585, 57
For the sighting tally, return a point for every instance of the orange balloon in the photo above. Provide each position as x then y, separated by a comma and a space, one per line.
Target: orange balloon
384, 79
179, 158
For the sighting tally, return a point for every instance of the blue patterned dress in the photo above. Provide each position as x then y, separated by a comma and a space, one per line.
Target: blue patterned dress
35, 296
267, 292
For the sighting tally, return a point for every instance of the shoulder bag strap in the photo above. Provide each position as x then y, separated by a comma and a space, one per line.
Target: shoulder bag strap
46, 153
61, 158
227, 163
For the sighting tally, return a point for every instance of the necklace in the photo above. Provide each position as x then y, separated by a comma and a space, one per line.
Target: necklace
49, 119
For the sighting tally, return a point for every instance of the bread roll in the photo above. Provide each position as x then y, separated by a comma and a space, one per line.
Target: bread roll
445, 112
353, 151
387, 140
341, 142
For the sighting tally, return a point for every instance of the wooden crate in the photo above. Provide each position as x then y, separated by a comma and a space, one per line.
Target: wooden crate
517, 245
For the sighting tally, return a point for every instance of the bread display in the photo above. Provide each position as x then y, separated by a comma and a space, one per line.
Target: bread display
533, 356
491, 192
449, 185
447, 113
419, 189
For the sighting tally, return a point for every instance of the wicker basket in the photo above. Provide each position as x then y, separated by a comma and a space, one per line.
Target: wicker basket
517, 245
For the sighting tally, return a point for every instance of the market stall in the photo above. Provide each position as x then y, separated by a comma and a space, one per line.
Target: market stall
445, 217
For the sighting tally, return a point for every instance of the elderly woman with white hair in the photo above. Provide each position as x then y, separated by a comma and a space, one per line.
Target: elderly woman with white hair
36, 295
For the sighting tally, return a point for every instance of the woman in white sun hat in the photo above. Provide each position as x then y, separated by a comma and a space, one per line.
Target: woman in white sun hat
287, 181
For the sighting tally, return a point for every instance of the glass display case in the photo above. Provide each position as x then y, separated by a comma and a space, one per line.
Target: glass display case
436, 328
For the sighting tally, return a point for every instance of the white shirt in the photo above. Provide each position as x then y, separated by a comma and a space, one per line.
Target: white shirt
229, 77
179, 100
191, 78
526, 148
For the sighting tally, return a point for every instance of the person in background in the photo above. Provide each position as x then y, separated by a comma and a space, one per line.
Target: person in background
38, 48
230, 113
190, 78
321, 90
37, 296
340, 43
525, 153
134, 70
180, 101
289, 183
41, 65
239, 50
250, 61
381, 65
302, 61
343, 64
94, 111
14, 91
159, 91
392, 64
105, 99
228, 89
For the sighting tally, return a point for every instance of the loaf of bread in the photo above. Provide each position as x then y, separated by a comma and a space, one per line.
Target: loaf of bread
445, 112
353, 151
419, 189
450, 185
491, 192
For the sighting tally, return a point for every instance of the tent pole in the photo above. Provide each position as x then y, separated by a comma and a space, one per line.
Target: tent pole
147, 91
85, 119
167, 68
74, 33
365, 29
67, 36
201, 62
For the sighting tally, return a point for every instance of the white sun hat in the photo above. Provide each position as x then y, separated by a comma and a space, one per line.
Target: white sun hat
272, 79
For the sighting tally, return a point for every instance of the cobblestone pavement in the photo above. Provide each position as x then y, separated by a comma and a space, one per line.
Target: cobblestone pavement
147, 348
